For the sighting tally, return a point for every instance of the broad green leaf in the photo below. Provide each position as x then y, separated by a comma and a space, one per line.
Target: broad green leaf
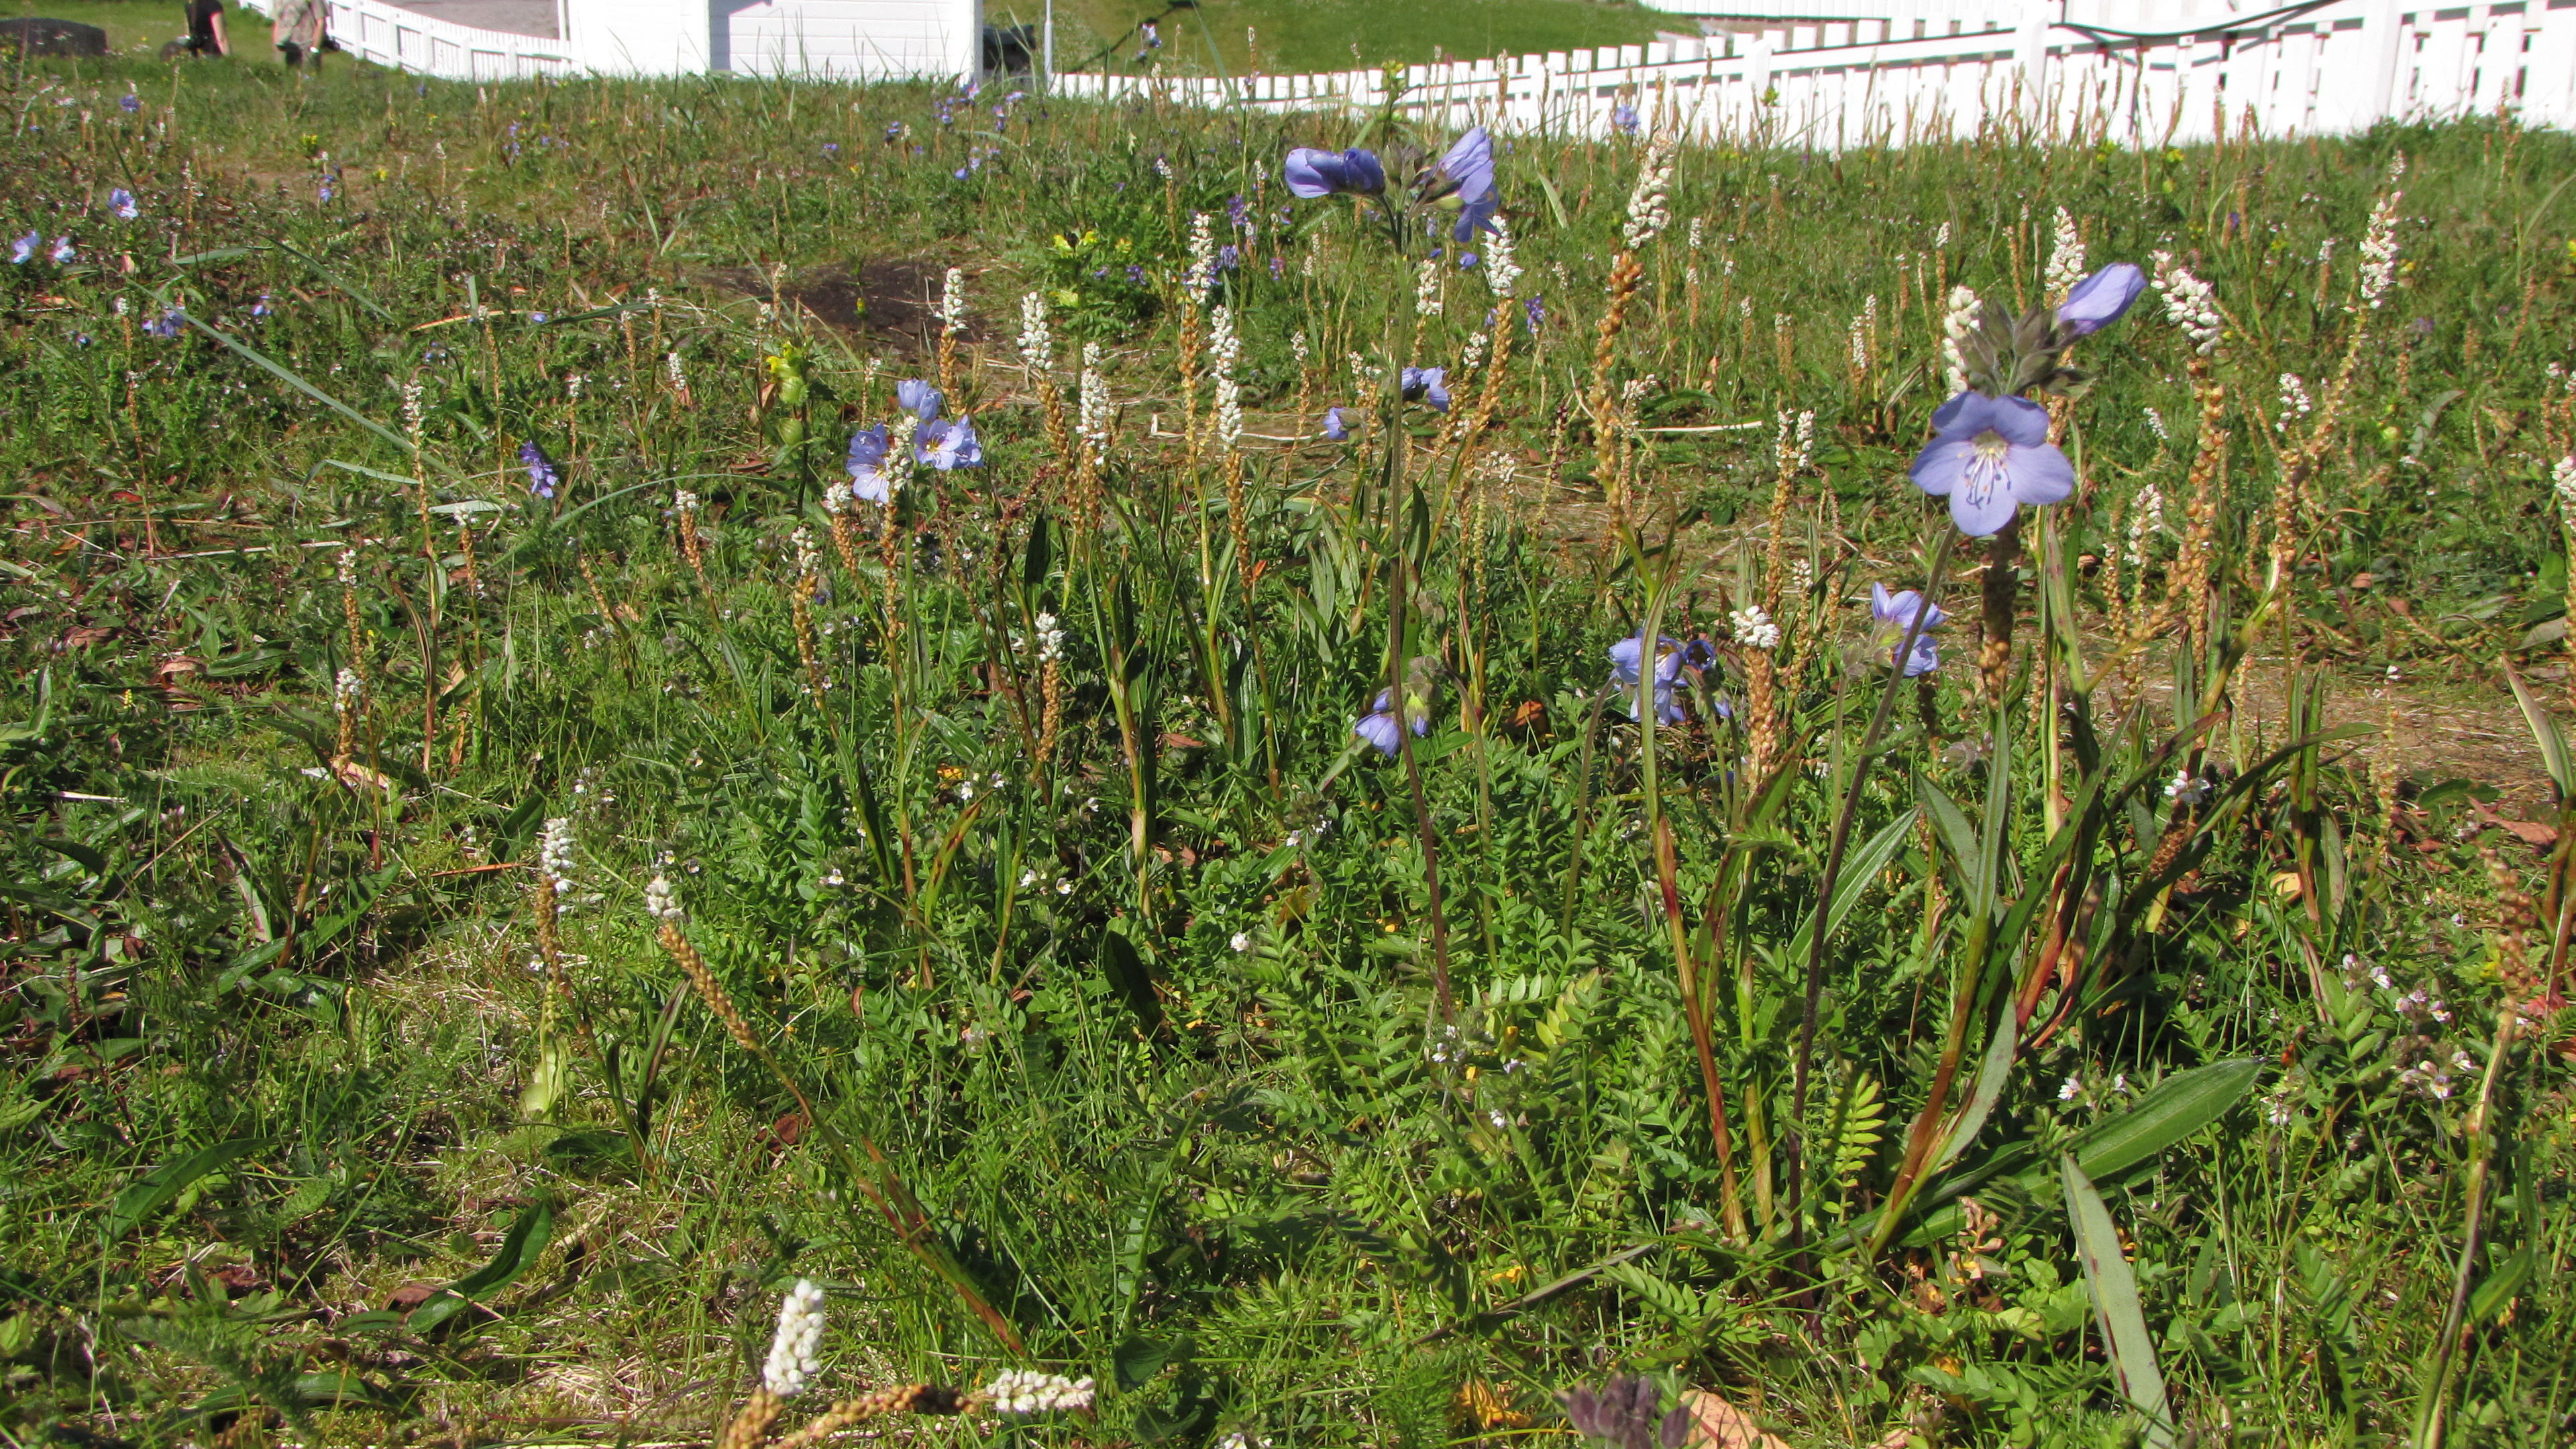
1991, 1075
2179, 1106
1858, 873
2545, 734
2115, 1307
156, 1189
519, 1251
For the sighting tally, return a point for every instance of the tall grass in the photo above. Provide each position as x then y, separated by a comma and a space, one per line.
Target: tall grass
470, 950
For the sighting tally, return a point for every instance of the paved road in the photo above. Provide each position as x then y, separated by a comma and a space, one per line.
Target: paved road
518, 17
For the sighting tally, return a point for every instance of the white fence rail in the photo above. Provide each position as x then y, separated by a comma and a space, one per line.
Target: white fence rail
388, 35
2142, 71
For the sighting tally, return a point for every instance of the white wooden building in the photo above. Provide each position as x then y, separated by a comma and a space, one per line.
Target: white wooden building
821, 39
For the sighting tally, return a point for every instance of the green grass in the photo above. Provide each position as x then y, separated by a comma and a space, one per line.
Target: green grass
1131, 1049
146, 25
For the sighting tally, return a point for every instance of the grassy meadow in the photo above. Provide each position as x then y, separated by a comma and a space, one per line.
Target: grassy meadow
520, 853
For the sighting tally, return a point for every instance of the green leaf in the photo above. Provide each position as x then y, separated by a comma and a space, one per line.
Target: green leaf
2179, 1106
156, 1189
2544, 733
1858, 874
2115, 1307
360, 900
1140, 1360
520, 1249
1991, 1075
1128, 976
1555, 203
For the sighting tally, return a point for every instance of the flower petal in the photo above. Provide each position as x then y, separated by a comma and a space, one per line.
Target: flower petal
1981, 514
1940, 466
1963, 416
1312, 173
2023, 423
2039, 475
1378, 730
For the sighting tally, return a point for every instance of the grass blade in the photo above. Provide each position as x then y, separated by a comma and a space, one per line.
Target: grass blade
161, 1186
2115, 1307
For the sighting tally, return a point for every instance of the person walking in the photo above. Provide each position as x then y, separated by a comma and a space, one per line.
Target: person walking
206, 28
299, 31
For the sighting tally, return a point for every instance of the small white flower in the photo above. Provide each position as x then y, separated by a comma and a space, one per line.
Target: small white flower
1242, 941
1754, 628
2190, 303
554, 854
795, 1350
1498, 1119
2065, 258
2379, 246
2184, 789
660, 902
1037, 343
1957, 322
1026, 1391
952, 302
1649, 211
2073, 1088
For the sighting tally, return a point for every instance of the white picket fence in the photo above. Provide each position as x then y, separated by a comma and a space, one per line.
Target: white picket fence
1858, 72
391, 36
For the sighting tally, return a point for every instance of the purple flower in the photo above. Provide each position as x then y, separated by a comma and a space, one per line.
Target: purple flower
2098, 300
1623, 118
24, 248
1378, 726
1989, 456
543, 480
1278, 268
1468, 169
869, 481
944, 445
1228, 258
121, 201
168, 325
894, 130
1313, 174
1427, 384
63, 252
1135, 274
1624, 672
326, 191
129, 103
831, 148
1623, 1415
1335, 426
1237, 210
917, 398
1466, 260
1894, 614
1536, 307
261, 308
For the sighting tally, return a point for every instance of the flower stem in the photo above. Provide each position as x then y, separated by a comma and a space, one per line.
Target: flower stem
1868, 754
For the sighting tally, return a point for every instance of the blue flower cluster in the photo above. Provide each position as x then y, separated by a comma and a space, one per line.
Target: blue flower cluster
938, 443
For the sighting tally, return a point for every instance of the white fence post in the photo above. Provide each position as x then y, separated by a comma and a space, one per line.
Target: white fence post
2030, 56
2386, 30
